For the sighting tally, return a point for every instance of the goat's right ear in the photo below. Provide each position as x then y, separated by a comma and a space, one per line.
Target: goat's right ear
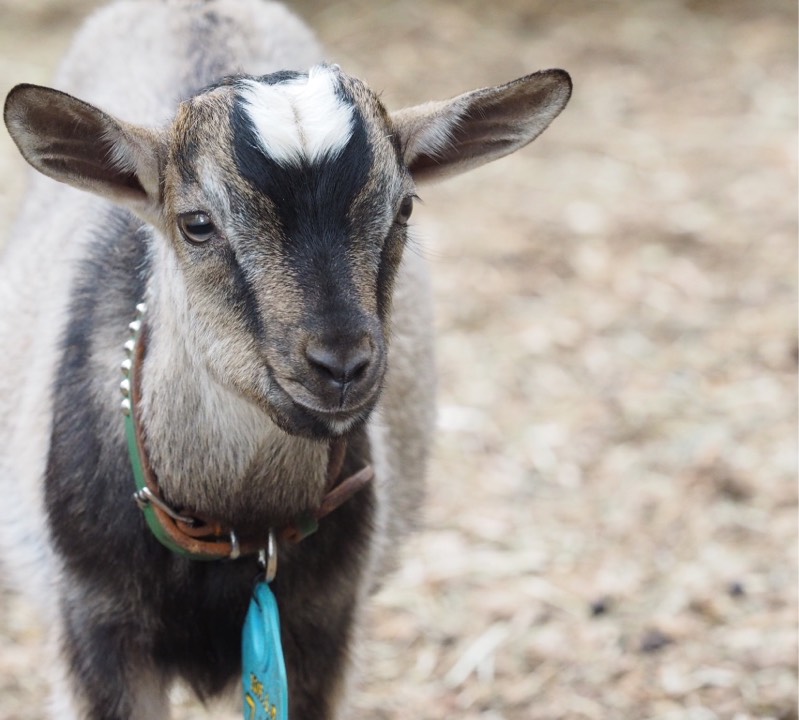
75, 143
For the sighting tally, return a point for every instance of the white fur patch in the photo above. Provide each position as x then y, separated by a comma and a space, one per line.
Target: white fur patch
300, 119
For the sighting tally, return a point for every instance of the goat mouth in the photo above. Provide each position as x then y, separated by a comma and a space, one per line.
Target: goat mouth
298, 412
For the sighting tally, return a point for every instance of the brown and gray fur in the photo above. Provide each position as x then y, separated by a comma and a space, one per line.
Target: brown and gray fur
300, 319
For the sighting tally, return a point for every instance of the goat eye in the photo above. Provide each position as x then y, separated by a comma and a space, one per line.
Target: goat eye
196, 227
405, 210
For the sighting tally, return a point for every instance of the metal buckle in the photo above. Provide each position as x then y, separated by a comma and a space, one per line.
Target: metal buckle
235, 548
145, 497
267, 558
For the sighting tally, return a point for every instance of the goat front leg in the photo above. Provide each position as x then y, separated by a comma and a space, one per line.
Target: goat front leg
318, 654
320, 589
106, 674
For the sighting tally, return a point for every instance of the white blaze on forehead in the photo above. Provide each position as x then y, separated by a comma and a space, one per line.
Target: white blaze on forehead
299, 119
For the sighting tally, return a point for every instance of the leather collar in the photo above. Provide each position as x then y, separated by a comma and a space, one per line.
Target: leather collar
189, 534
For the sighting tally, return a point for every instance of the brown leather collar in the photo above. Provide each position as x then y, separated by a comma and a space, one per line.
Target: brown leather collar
205, 538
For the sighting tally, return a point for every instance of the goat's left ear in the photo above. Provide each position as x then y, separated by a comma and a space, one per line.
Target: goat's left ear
452, 136
78, 144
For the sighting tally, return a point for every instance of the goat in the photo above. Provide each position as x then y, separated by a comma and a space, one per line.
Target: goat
260, 211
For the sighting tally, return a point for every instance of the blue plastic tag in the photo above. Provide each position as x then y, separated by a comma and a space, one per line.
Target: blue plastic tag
265, 691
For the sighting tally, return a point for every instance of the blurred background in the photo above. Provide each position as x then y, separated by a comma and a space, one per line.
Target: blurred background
611, 524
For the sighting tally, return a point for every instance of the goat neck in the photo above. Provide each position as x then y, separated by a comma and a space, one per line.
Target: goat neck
236, 465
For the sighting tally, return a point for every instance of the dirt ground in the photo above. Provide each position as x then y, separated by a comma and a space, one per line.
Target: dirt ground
611, 528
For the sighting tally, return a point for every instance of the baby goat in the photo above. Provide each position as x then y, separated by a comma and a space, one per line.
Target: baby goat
284, 358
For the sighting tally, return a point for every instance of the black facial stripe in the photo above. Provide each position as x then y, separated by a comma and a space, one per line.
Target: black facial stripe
244, 296
312, 204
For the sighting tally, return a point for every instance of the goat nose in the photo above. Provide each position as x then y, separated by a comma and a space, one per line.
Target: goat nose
340, 364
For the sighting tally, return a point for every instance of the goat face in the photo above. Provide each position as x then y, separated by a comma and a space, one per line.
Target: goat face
285, 201
281, 203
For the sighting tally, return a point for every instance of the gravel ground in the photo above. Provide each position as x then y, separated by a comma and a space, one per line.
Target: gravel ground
611, 528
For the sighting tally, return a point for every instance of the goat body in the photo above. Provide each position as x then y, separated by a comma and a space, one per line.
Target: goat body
260, 209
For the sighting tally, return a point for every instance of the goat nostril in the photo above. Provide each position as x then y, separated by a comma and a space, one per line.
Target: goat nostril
359, 368
343, 365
